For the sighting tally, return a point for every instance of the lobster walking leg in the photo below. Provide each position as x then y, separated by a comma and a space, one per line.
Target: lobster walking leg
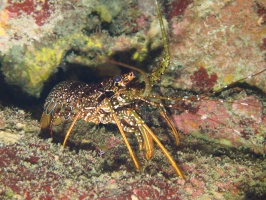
171, 124
148, 143
77, 116
164, 115
157, 141
118, 123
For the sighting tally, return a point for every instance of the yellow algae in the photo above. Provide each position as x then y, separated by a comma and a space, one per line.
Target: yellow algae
135, 55
2, 31
225, 142
39, 62
104, 13
140, 56
42, 63
228, 79
3, 20
94, 42
110, 52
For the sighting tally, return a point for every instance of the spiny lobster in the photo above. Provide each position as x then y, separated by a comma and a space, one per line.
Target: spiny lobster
115, 101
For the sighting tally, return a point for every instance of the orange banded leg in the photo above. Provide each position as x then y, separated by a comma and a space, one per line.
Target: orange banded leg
171, 124
147, 142
71, 127
48, 121
117, 121
157, 141
77, 116
144, 139
56, 120
164, 115
45, 121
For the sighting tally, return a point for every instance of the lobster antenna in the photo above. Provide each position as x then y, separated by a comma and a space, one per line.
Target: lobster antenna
156, 74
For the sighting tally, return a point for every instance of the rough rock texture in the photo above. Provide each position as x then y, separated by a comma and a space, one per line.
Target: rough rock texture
98, 166
225, 37
37, 37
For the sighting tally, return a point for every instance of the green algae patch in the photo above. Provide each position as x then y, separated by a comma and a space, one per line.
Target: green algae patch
31, 67
42, 63
107, 11
104, 13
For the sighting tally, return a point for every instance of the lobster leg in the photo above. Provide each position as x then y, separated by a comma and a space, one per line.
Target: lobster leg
48, 121
45, 121
71, 127
171, 124
117, 121
56, 120
144, 139
148, 143
164, 115
157, 141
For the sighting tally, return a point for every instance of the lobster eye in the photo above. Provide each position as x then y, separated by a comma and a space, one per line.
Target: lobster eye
117, 79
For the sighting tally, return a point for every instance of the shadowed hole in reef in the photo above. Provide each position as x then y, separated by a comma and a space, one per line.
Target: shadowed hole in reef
12, 95
15, 96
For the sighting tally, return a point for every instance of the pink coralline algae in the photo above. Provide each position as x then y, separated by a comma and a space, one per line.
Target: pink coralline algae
177, 8
210, 115
202, 81
238, 123
36, 168
213, 36
249, 106
39, 10
111, 142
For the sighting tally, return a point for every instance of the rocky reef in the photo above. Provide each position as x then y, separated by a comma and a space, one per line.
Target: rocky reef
96, 165
215, 88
